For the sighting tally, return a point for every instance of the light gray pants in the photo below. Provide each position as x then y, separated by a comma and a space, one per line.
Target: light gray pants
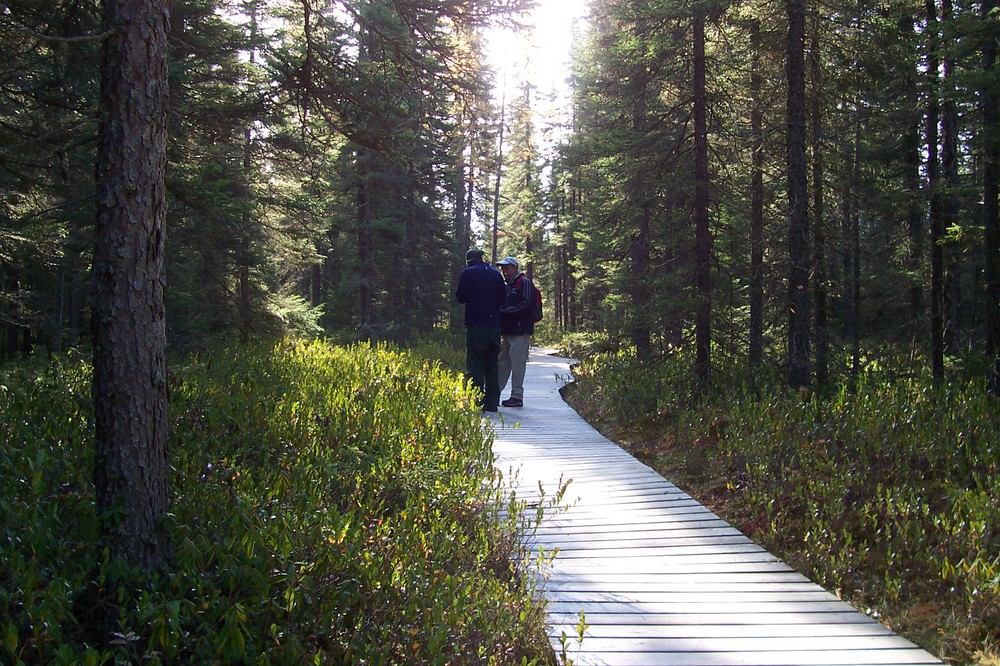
513, 360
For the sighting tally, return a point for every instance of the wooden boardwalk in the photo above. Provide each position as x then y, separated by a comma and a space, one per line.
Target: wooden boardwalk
659, 578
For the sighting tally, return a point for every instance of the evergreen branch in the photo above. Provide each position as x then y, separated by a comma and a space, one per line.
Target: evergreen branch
65, 40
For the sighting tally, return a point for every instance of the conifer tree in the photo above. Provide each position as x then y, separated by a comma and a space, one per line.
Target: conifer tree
130, 372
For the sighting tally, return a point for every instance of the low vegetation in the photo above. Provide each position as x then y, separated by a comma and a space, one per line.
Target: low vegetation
888, 495
329, 506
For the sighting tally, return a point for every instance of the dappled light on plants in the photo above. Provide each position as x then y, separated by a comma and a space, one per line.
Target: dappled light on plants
886, 496
331, 505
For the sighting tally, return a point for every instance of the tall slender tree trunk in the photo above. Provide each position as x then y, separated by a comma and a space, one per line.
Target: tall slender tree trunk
465, 234
366, 166
798, 213
463, 188
756, 203
911, 180
640, 293
464, 197
412, 312
572, 305
991, 182
703, 233
949, 203
499, 177
130, 369
245, 250
855, 226
640, 286
819, 211
363, 208
934, 190
316, 285
558, 275
852, 223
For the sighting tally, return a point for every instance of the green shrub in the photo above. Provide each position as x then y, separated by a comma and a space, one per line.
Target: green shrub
329, 505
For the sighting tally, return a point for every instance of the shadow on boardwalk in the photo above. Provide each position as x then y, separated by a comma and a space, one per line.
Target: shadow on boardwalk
656, 576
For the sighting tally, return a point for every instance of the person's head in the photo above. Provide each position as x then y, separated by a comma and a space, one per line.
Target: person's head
473, 256
509, 266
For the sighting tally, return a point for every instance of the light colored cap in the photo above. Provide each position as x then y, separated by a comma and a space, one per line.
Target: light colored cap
509, 261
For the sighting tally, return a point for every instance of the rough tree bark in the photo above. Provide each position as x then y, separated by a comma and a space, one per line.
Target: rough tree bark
129, 387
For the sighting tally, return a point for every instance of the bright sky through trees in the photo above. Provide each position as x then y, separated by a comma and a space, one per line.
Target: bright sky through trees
541, 54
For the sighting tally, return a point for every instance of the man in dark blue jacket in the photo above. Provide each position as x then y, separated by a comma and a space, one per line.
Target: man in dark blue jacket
516, 327
482, 290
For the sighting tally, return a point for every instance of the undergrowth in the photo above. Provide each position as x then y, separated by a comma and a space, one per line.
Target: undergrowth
329, 506
889, 496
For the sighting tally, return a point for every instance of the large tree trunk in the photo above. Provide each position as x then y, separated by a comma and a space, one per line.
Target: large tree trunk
991, 181
703, 234
129, 388
798, 214
756, 350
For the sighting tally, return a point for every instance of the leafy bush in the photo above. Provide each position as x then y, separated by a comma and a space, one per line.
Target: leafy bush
887, 495
329, 505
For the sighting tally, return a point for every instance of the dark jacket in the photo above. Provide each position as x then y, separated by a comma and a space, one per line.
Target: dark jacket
481, 289
515, 315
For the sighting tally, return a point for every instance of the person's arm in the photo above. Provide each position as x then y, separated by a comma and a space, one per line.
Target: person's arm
517, 300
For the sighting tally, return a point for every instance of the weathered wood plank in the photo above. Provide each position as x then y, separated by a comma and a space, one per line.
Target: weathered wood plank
671, 607
826, 644
734, 620
625, 537
803, 658
765, 630
648, 598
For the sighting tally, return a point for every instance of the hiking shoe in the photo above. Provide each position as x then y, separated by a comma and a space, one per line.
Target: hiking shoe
512, 402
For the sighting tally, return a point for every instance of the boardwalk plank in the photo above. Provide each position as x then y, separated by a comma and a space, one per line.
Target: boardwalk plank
801, 658
715, 631
659, 578
733, 620
744, 644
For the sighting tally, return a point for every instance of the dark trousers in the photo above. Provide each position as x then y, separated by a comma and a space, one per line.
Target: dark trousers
482, 347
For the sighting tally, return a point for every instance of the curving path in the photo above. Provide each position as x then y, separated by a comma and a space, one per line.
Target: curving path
659, 578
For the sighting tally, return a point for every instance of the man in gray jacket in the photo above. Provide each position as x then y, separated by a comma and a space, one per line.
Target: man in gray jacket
516, 328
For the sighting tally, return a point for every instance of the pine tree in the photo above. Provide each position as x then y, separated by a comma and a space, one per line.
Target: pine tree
130, 372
